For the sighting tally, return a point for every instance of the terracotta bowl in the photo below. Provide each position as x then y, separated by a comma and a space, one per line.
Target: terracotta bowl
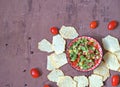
97, 61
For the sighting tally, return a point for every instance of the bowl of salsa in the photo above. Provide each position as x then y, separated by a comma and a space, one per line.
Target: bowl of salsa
84, 53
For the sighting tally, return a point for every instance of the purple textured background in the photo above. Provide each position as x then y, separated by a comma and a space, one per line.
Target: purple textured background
23, 23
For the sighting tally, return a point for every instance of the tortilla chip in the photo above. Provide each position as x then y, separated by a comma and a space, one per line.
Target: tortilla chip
111, 43
82, 81
117, 55
111, 61
68, 32
56, 61
45, 45
50, 66
102, 70
95, 81
58, 44
59, 60
53, 76
66, 81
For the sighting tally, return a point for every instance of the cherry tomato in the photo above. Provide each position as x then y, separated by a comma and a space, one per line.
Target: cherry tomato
93, 24
54, 30
46, 85
35, 73
112, 25
115, 80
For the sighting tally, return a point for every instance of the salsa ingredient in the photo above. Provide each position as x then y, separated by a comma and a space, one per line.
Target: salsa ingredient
54, 30
112, 25
34, 72
115, 80
93, 24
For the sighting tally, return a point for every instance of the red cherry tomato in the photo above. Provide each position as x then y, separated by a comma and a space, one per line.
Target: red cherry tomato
112, 25
93, 24
54, 30
46, 85
35, 73
115, 80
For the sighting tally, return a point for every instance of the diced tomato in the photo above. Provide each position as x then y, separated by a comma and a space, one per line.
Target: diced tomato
74, 64
90, 43
78, 59
91, 51
96, 46
96, 61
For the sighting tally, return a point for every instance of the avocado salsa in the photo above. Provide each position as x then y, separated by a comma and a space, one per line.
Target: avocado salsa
84, 53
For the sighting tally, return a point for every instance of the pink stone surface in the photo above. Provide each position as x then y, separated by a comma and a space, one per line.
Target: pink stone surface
23, 23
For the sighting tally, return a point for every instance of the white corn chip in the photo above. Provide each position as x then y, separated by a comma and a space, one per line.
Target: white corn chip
95, 81
49, 63
111, 61
66, 81
102, 70
45, 45
58, 44
57, 61
117, 55
68, 32
82, 81
53, 75
111, 43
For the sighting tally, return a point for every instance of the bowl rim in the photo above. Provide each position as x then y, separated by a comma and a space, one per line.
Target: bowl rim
99, 48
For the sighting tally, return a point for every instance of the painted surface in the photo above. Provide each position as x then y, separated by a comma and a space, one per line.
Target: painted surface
23, 23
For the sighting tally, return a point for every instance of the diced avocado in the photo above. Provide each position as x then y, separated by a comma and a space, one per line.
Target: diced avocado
71, 48
96, 51
91, 48
76, 51
80, 63
76, 44
74, 57
88, 60
83, 48
72, 53
85, 66
92, 55
82, 57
